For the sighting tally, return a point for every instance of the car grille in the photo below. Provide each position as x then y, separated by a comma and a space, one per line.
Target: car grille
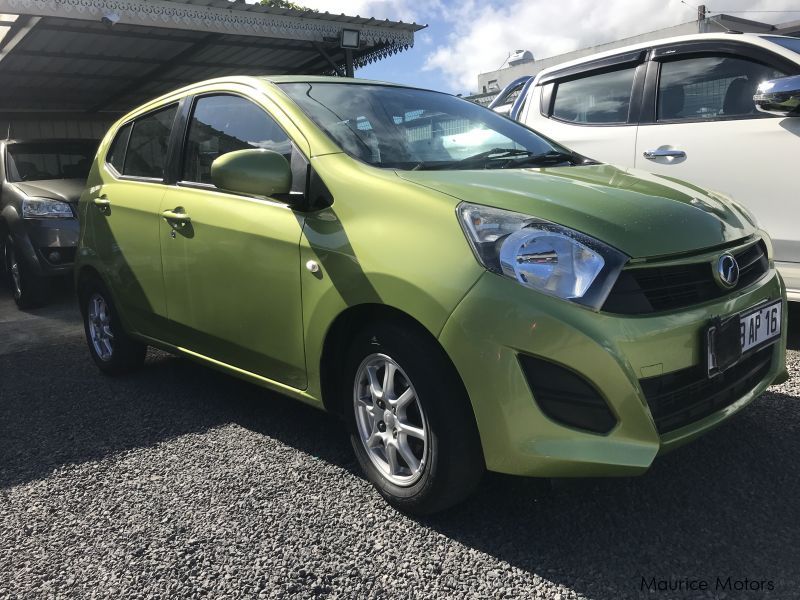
683, 397
657, 289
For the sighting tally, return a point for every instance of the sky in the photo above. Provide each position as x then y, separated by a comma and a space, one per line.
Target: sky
467, 37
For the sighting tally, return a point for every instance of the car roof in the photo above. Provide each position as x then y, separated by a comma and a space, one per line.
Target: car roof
756, 39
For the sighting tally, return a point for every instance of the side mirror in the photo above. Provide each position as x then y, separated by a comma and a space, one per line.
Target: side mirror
254, 171
779, 96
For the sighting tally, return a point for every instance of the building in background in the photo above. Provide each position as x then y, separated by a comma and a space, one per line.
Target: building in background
491, 83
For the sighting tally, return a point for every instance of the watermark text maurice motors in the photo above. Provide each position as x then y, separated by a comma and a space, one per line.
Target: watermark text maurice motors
718, 583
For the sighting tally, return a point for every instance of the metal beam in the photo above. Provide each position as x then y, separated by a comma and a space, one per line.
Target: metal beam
157, 71
18, 32
328, 58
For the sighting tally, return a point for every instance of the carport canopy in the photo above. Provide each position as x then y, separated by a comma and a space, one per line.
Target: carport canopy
104, 57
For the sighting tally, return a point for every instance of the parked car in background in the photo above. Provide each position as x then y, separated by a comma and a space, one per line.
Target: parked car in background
683, 108
521, 309
41, 181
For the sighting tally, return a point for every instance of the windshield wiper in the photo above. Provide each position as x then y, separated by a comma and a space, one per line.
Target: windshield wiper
493, 154
552, 157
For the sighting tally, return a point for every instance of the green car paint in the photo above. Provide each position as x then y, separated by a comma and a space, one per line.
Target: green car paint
230, 287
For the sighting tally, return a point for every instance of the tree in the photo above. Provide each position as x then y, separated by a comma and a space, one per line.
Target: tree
284, 4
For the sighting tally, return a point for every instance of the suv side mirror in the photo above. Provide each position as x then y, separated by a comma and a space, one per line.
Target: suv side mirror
254, 172
779, 96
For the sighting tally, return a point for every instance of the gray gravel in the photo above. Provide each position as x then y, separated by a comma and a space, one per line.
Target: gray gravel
179, 482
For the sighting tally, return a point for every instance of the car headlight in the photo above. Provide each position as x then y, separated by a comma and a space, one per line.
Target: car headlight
541, 255
45, 208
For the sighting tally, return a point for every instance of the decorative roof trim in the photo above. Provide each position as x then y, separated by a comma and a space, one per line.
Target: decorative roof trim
178, 15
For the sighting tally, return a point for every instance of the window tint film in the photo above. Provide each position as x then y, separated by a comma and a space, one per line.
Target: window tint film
603, 98
222, 124
116, 154
147, 149
710, 87
404, 128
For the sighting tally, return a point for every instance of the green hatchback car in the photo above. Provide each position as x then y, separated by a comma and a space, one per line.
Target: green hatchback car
465, 293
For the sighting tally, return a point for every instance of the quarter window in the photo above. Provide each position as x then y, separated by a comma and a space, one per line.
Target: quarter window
116, 154
222, 124
147, 150
602, 98
710, 87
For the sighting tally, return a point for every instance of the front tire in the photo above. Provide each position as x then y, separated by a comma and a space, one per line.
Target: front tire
411, 423
111, 348
29, 289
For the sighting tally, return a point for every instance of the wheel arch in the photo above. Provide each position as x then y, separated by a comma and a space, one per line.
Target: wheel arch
353, 319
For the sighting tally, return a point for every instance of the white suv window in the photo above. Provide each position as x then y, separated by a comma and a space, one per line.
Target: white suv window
710, 87
602, 98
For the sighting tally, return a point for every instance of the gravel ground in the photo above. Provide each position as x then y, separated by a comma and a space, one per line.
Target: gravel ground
180, 482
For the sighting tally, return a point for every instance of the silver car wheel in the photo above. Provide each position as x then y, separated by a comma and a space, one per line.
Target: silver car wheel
100, 332
390, 420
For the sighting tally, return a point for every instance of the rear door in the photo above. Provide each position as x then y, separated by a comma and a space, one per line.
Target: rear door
123, 218
699, 123
232, 273
591, 108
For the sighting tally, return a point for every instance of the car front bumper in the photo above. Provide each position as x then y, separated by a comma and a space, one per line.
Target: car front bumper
37, 239
499, 320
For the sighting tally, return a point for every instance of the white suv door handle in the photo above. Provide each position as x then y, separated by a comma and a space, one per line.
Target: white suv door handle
654, 154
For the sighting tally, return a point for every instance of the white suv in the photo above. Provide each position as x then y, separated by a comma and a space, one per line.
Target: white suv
683, 107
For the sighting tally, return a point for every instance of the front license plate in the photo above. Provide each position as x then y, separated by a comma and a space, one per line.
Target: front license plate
727, 340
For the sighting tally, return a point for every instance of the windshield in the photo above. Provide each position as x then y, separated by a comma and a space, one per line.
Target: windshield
787, 42
36, 161
402, 128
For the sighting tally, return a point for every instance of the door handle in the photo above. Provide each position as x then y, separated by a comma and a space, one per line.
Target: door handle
102, 202
654, 154
174, 215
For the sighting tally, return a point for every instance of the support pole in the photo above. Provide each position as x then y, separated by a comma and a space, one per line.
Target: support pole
348, 58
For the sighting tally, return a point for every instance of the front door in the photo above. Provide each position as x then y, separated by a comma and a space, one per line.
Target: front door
231, 265
707, 131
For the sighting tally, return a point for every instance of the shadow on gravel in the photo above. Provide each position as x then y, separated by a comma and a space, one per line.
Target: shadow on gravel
725, 505
47, 421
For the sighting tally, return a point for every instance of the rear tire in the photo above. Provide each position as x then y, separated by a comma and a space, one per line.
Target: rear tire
413, 430
29, 289
112, 349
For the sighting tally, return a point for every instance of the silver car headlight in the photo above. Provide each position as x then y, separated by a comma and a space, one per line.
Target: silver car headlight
542, 255
45, 208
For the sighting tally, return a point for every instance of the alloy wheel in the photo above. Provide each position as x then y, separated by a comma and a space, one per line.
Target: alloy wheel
99, 318
390, 420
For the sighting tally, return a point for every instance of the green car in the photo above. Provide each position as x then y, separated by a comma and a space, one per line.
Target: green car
465, 293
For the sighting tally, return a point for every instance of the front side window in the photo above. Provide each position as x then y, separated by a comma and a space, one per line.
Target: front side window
710, 87
222, 124
147, 149
596, 99
404, 128
37, 161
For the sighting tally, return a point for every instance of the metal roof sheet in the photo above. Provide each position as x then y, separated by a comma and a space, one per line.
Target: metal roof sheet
60, 56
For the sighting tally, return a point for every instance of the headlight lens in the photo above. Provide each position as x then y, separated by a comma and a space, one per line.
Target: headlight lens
45, 208
541, 255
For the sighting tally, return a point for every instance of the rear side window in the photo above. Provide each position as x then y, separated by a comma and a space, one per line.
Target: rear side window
223, 124
710, 87
601, 98
147, 149
116, 154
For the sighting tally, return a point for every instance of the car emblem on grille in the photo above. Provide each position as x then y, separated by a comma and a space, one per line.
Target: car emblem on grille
727, 271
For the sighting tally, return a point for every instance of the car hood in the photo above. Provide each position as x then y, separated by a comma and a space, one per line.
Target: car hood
641, 214
66, 190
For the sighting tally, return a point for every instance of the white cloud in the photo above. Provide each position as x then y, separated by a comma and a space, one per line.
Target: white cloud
485, 32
